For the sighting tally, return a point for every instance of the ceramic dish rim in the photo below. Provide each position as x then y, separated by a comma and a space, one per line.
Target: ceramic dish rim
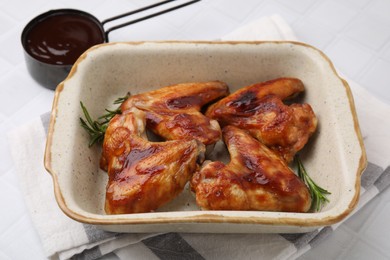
295, 219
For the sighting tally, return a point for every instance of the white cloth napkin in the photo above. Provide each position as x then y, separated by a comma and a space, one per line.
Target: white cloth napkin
63, 238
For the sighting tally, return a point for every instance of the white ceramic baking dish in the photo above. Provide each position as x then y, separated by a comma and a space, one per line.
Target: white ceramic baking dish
334, 157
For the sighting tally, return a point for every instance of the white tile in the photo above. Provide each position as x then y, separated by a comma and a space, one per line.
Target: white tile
377, 79
107, 10
209, 25
6, 23
2, 118
357, 3
164, 27
369, 31
11, 46
298, 5
137, 3
49, 5
380, 9
271, 8
237, 10
86, 5
13, 84
311, 32
21, 10
181, 17
349, 57
362, 251
176, 18
5, 152
34, 108
4, 256
12, 200
141, 32
52, 5
5, 66
332, 14
386, 52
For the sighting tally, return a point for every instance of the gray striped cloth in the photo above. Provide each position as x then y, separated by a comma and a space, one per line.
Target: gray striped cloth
63, 238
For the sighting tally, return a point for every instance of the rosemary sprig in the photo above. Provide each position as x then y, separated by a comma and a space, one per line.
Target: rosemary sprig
97, 128
120, 100
318, 194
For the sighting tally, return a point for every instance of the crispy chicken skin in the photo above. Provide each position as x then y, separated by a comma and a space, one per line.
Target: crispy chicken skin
173, 112
259, 108
255, 179
144, 175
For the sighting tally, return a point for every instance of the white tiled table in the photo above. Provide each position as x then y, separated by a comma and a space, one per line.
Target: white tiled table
355, 34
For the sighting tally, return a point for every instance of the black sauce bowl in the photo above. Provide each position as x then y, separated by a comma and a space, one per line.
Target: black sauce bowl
48, 74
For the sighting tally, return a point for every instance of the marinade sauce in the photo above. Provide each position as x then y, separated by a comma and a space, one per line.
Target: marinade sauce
61, 38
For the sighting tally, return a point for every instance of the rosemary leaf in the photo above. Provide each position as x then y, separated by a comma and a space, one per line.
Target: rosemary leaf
97, 128
86, 114
122, 99
96, 138
317, 193
85, 126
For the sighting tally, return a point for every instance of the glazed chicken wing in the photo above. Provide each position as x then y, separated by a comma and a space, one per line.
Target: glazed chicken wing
255, 179
144, 175
259, 108
173, 112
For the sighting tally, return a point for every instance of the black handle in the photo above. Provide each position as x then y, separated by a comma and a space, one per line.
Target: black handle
142, 18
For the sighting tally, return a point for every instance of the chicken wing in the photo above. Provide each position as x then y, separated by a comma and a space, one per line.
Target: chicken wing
144, 175
259, 109
173, 112
255, 179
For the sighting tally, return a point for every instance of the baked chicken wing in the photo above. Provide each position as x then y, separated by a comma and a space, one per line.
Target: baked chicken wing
254, 179
259, 108
144, 175
173, 112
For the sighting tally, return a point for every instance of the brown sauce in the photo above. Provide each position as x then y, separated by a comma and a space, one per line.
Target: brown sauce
61, 38
184, 102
